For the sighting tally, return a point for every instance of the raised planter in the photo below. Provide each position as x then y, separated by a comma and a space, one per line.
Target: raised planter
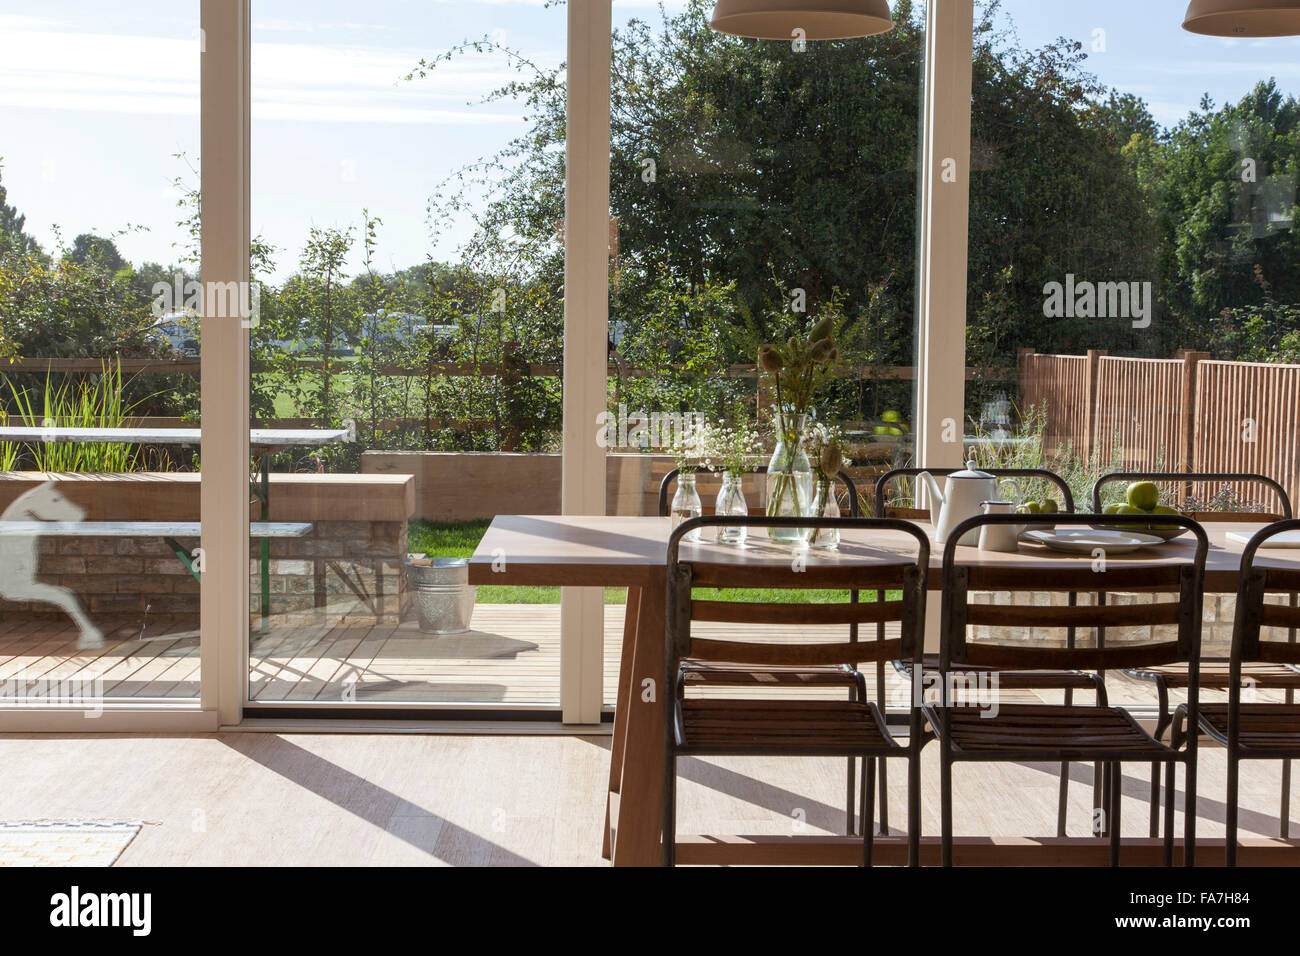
348, 568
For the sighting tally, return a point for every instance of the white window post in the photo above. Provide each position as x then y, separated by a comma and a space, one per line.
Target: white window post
586, 338
224, 170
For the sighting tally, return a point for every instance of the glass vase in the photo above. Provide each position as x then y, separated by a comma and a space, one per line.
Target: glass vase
825, 505
789, 478
686, 503
731, 503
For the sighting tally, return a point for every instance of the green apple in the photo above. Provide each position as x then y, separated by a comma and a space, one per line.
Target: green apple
1144, 495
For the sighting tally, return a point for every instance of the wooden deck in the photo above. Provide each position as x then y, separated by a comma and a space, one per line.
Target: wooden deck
512, 656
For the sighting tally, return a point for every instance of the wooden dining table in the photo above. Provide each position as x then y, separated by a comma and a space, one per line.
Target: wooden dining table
631, 552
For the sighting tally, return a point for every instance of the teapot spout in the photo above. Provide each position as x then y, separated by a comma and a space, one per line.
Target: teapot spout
934, 493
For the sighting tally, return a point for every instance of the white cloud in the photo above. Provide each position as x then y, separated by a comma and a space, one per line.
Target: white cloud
60, 70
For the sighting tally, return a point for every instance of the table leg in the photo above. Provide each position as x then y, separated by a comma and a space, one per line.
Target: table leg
638, 824
933, 608
618, 743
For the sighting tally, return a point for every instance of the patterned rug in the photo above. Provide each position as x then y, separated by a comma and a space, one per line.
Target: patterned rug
61, 843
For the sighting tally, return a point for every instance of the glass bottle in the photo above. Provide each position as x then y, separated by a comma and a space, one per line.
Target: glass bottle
686, 503
825, 505
731, 502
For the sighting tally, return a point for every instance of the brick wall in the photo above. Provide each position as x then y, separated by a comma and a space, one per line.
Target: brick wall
341, 571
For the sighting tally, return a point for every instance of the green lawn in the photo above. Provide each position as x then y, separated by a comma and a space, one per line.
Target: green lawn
459, 539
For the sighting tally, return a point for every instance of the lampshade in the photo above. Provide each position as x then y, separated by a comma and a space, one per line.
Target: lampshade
819, 19
1243, 18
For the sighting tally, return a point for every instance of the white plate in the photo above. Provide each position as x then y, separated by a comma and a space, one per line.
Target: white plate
1086, 541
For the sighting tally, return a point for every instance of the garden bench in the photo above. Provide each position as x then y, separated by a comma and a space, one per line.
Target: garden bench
169, 531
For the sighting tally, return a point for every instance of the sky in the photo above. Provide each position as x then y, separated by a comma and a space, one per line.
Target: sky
99, 111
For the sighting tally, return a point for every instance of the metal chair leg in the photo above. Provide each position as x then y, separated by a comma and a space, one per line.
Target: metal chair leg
914, 809
1105, 800
1155, 800
1230, 824
1098, 800
851, 800
945, 807
1189, 812
884, 764
883, 828
868, 810
1063, 799
1170, 777
1113, 823
1284, 811
670, 811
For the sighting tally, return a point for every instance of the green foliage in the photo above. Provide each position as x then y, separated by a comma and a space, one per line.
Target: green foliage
741, 171
86, 402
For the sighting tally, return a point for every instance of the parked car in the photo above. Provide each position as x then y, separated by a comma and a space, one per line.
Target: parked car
179, 333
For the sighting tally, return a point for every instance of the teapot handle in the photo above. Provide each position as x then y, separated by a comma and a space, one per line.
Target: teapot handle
1019, 495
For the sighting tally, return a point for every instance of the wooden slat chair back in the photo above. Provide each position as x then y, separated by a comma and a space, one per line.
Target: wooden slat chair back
825, 676
1257, 623
904, 575
1066, 682
1103, 734
1184, 578
854, 727
1263, 633
1215, 677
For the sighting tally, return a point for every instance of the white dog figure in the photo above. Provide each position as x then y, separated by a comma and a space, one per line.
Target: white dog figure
19, 558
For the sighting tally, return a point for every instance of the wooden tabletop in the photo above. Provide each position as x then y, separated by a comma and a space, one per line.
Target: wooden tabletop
632, 552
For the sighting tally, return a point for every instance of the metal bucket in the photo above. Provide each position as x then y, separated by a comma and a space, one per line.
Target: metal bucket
443, 597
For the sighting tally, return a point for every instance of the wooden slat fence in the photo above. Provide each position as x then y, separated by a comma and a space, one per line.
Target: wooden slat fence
1186, 414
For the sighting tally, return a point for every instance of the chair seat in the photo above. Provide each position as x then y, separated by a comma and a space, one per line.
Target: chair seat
723, 674
1266, 729
1014, 680
1215, 675
783, 727
1040, 731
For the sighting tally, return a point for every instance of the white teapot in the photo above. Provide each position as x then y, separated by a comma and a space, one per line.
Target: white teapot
963, 497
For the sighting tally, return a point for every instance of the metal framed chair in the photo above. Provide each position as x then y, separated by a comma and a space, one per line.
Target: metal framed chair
730, 675
1039, 732
1214, 671
1254, 731
1065, 681
731, 726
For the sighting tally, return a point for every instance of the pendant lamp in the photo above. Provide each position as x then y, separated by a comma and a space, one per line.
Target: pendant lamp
818, 19
1243, 18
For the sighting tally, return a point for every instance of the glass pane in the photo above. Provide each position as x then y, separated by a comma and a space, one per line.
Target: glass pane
98, 254
758, 188
1133, 258
410, 297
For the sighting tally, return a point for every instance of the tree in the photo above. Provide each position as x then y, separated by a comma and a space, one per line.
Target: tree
88, 248
1226, 190
13, 239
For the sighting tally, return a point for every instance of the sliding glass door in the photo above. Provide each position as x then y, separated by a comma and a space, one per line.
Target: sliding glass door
99, 352
409, 327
